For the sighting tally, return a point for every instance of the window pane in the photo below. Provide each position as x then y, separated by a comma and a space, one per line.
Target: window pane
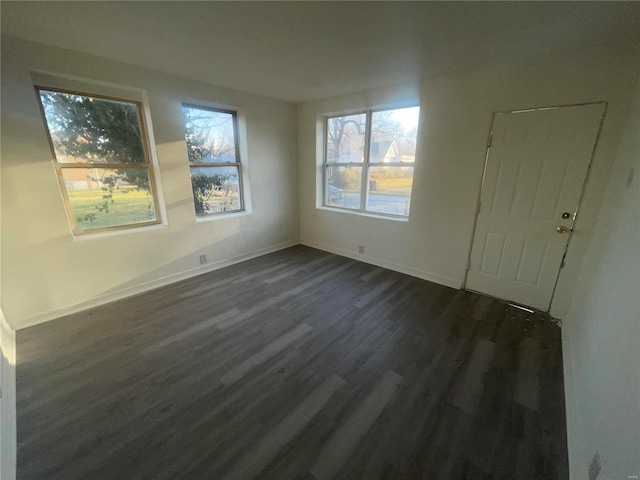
344, 186
390, 190
393, 135
215, 189
210, 135
102, 198
85, 129
345, 139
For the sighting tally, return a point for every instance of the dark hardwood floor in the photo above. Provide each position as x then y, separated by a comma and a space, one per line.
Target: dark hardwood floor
295, 365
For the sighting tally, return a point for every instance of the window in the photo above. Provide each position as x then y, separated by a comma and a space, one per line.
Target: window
100, 151
214, 160
369, 159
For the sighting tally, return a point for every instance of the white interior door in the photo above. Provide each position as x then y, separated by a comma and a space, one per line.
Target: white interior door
536, 167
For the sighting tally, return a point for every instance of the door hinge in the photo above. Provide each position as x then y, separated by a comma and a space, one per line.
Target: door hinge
490, 140
562, 263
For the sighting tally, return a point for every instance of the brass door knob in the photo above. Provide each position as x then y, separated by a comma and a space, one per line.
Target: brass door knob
562, 229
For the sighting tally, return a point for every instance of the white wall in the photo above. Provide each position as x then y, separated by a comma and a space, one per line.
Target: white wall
456, 112
601, 332
47, 273
8, 401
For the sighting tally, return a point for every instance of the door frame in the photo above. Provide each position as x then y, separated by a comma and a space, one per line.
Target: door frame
582, 191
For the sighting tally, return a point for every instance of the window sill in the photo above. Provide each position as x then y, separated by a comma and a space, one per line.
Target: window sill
221, 216
379, 216
122, 231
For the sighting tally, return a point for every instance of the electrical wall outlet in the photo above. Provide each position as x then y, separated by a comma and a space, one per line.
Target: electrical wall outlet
360, 248
203, 259
595, 467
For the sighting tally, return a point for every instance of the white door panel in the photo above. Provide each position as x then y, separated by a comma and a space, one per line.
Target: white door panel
536, 167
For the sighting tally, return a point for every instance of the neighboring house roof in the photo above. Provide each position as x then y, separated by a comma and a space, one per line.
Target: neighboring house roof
384, 151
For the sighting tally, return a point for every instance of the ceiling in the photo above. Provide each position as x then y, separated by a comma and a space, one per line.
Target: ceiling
299, 51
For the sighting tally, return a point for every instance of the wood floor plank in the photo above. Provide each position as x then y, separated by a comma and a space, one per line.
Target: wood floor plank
195, 329
346, 438
528, 384
375, 292
284, 432
265, 354
471, 385
295, 365
372, 274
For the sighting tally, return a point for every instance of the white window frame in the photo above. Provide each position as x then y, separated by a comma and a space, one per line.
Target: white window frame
149, 164
365, 164
238, 163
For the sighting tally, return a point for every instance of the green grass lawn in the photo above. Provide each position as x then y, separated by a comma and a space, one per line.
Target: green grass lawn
394, 186
129, 206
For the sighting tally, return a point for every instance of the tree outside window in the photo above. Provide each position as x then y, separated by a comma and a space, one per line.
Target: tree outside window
214, 162
369, 160
100, 152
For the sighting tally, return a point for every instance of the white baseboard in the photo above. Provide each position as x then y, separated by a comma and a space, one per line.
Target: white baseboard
8, 444
176, 277
439, 279
144, 287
